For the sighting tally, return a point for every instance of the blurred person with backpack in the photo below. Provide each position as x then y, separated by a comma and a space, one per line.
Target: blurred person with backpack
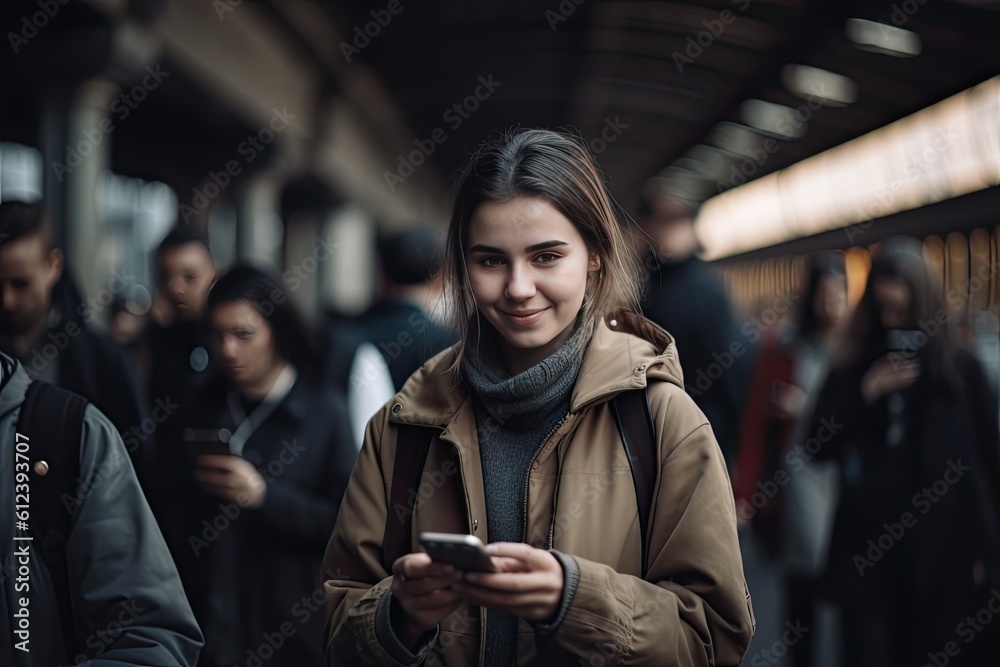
85, 573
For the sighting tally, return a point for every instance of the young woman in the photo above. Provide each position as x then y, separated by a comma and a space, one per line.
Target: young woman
526, 455
915, 545
794, 526
271, 453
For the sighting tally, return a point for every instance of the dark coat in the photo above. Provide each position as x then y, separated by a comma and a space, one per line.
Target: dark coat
127, 600
256, 571
405, 335
688, 300
914, 519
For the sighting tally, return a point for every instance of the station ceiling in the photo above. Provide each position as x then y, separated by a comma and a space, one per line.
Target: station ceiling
660, 87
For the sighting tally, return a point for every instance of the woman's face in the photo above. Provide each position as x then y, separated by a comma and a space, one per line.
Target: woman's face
894, 301
830, 304
528, 268
245, 343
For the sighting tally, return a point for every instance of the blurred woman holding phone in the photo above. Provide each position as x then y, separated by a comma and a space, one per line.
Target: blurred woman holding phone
271, 451
915, 546
525, 454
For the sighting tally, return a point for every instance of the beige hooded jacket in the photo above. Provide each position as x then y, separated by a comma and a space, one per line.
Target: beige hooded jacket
693, 608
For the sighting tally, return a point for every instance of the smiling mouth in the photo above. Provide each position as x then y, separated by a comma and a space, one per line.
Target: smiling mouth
524, 317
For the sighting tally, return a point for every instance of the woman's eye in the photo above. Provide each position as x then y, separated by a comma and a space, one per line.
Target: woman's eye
491, 261
546, 257
243, 335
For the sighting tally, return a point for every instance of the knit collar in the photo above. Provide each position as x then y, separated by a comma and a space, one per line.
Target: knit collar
518, 401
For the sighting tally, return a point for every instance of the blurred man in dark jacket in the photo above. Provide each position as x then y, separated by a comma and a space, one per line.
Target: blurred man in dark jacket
399, 324
126, 600
686, 298
45, 323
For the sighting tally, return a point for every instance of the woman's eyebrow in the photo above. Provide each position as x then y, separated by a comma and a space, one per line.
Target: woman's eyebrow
545, 245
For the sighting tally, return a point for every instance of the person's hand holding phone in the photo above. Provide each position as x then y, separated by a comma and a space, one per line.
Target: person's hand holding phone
232, 478
422, 587
529, 582
892, 372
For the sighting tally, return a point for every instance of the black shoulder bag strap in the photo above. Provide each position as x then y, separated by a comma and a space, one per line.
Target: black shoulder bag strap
52, 420
412, 445
635, 425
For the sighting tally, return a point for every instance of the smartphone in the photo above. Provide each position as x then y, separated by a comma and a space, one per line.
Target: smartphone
903, 340
465, 552
199, 441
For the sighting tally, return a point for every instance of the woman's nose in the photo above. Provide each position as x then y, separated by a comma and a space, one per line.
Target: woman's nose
520, 284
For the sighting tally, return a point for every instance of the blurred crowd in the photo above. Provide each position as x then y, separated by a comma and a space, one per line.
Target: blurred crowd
864, 445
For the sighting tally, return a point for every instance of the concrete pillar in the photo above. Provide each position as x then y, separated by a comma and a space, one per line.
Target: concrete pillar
76, 152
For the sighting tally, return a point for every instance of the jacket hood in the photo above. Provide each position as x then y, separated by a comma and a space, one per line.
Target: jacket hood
626, 352
14, 382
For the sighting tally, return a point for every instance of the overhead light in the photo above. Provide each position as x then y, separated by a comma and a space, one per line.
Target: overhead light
735, 138
947, 150
706, 161
774, 119
883, 38
812, 83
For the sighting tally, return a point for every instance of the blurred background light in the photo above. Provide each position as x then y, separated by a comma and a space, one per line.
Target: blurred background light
774, 119
812, 83
883, 38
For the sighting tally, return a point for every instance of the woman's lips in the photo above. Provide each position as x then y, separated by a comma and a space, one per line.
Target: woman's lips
525, 317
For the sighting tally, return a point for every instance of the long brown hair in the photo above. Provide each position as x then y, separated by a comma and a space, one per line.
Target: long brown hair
864, 342
557, 167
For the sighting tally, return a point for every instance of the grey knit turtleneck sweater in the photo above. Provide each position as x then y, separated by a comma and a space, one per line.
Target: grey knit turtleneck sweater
513, 417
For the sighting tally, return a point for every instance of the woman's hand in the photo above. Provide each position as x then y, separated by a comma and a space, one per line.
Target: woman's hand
890, 373
529, 584
422, 588
788, 401
231, 477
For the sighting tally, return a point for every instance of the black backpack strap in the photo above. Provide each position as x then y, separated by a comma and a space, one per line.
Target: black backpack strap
635, 425
52, 420
412, 446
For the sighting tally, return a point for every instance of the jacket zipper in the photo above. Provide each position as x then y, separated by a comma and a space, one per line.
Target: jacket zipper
527, 476
555, 496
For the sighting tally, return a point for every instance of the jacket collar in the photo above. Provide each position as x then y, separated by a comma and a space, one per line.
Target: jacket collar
13, 385
625, 351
